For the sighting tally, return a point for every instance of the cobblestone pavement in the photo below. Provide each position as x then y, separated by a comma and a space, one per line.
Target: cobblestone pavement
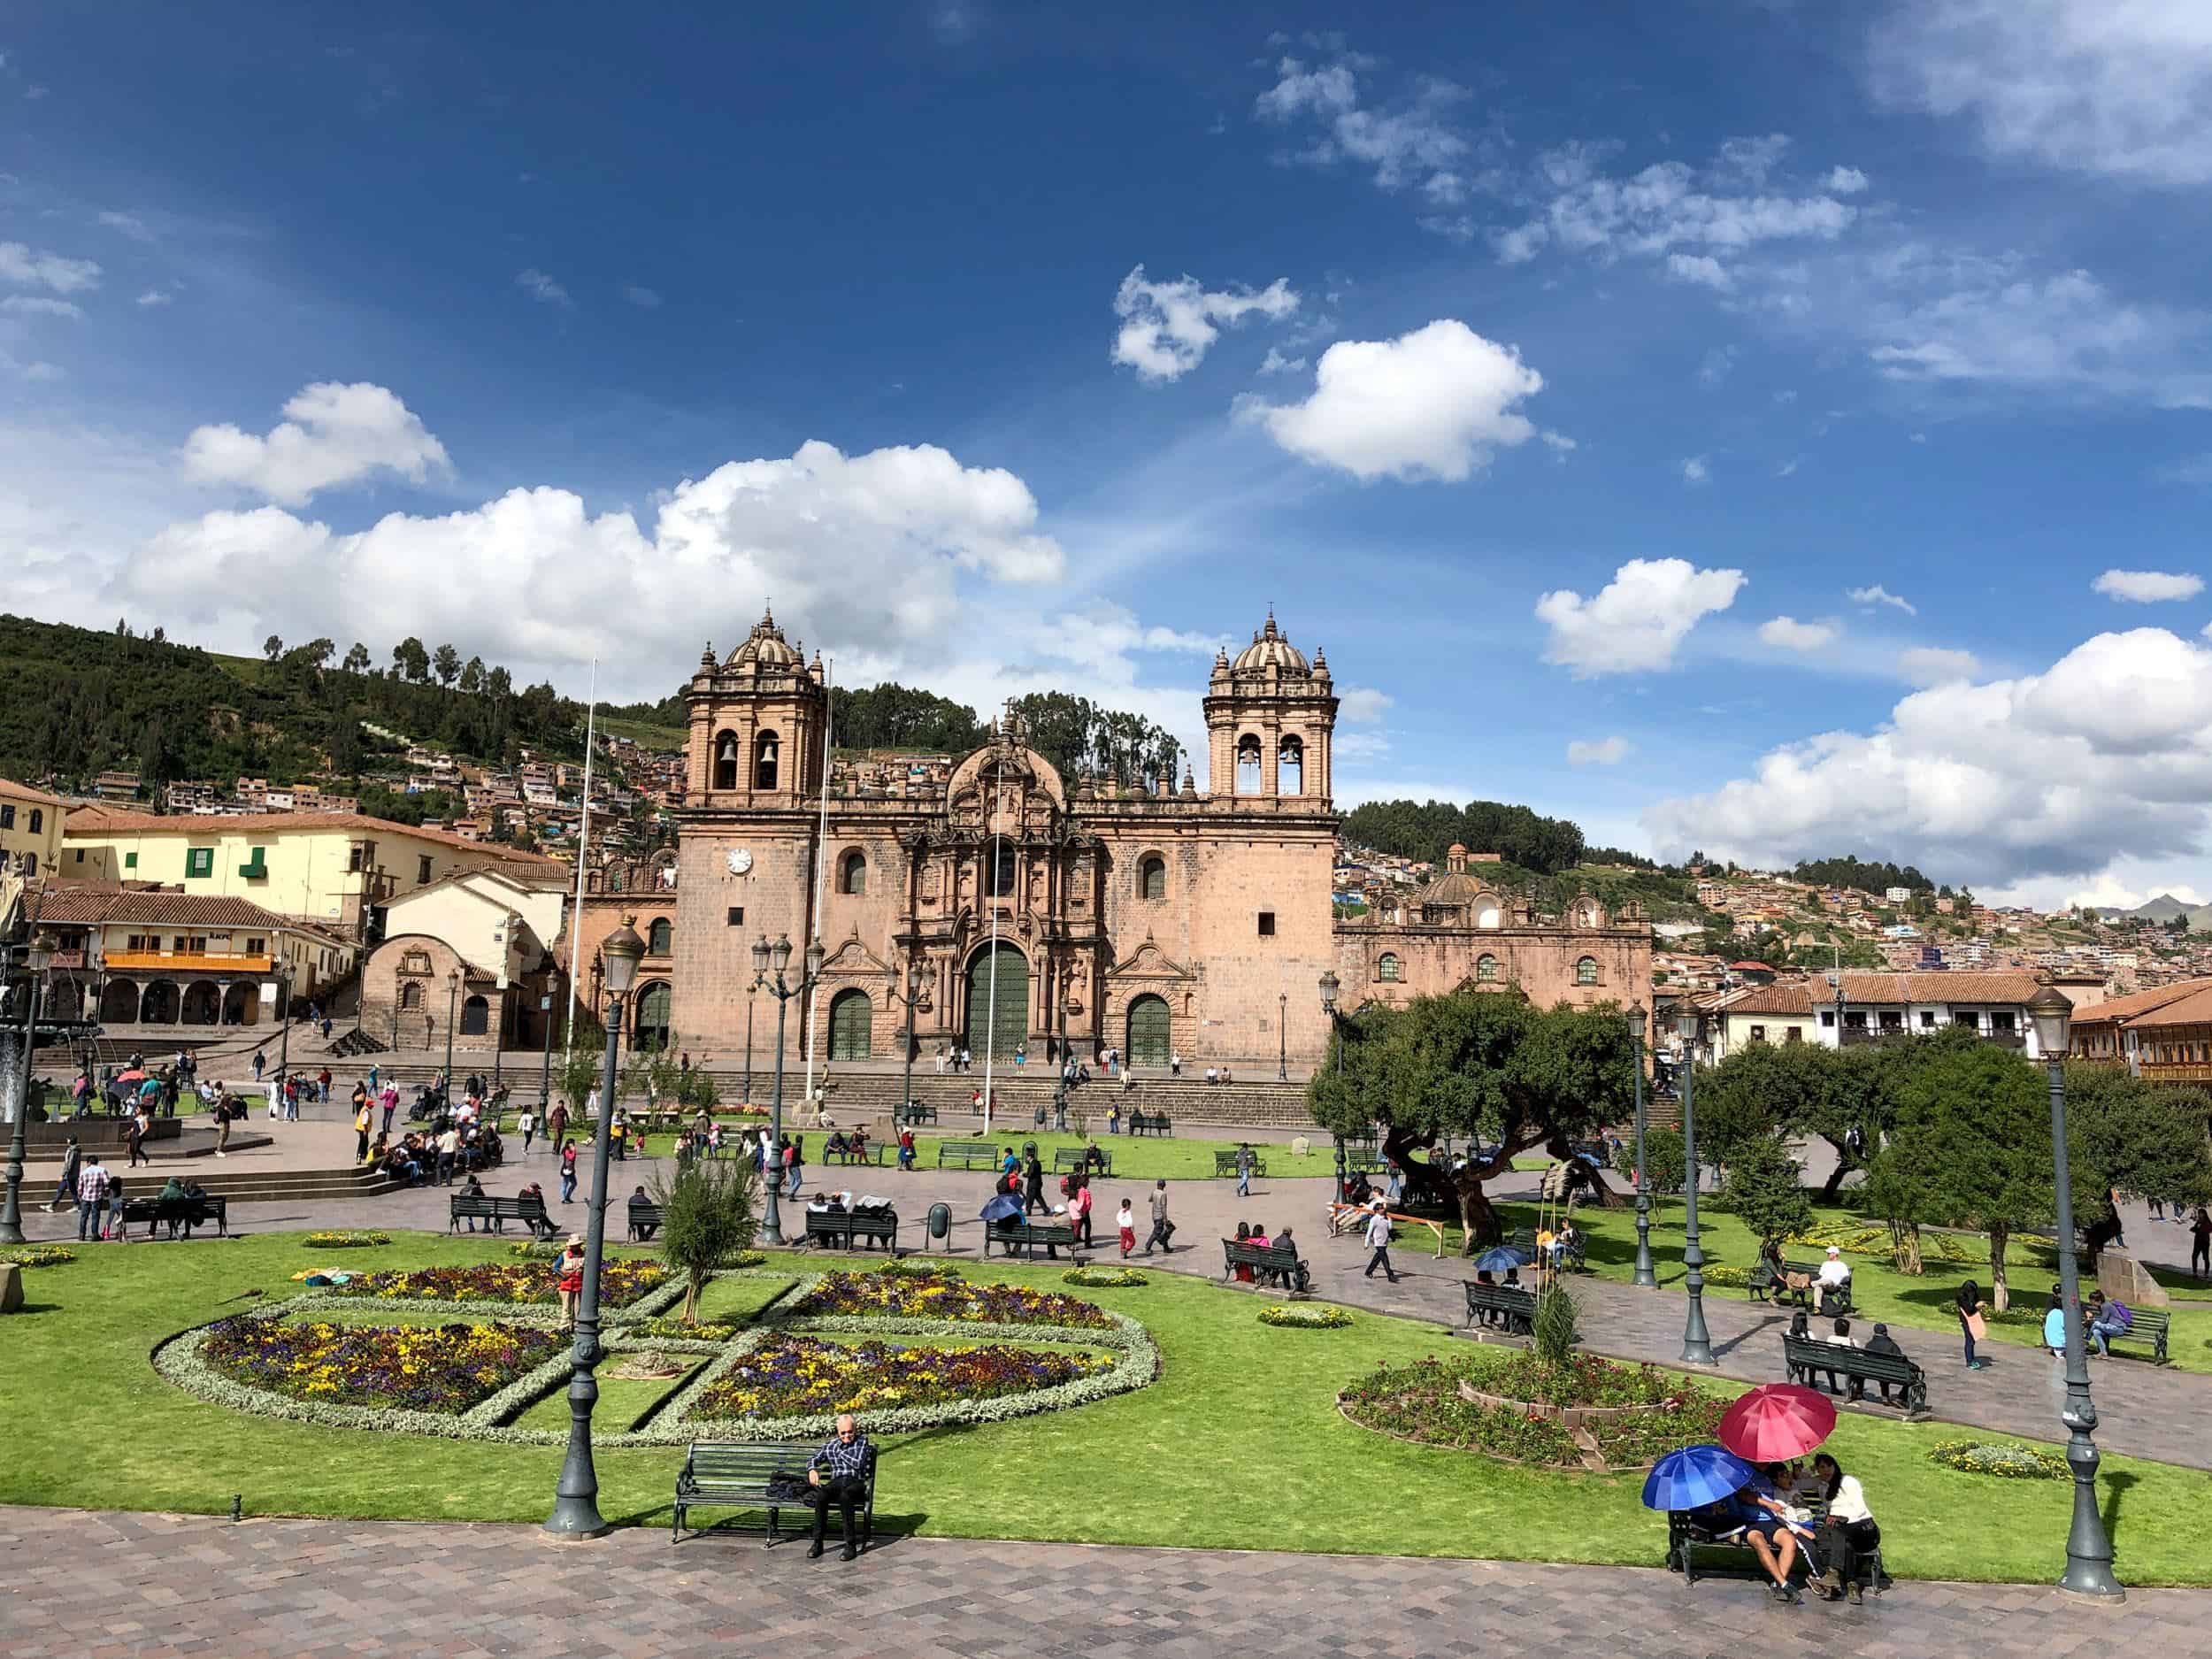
2146, 1412
93, 1585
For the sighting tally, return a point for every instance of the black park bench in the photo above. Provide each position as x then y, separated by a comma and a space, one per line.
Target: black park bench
1225, 1165
1504, 1306
1761, 1281
761, 1478
1848, 1370
879, 1152
497, 1212
2145, 1325
915, 1112
1150, 1124
646, 1218
1716, 1530
968, 1154
1273, 1265
1083, 1157
1525, 1239
1009, 1231
188, 1213
846, 1228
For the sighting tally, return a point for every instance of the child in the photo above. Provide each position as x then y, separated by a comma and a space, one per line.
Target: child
568, 1170
1126, 1218
568, 1278
115, 1212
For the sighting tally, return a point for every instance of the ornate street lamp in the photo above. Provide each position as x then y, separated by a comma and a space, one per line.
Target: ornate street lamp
1330, 985
773, 960
1282, 1036
576, 1501
452, 1009
1644, 1275
1697, 1342
2088, 1550
38, 956
915, 994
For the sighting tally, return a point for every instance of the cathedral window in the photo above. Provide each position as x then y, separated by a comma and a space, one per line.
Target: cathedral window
1587, 971
1387, 967
1485, 970
999, 871
1152, 876
1290, 767
852, 873
659, 937
1267, 924
766, 751
726, 760
1247, 764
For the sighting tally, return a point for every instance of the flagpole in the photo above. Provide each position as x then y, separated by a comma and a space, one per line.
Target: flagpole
583, 845
821, 870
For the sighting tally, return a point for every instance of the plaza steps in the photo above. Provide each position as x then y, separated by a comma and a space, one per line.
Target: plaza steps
271, 1186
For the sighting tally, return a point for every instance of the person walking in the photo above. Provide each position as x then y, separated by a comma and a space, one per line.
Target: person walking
1125, 1222
1378, 1239
390, 1097
527, 1124
259, 1061
1079, 1202
556, 1122
361, 1121
1972, 1325
140, 1125
1162, 1229
1245, 1161
449, 1150
72, 1167
1034, 1186
795, 1164
2201, 1243
568, 1171
92, 1193
228, 1108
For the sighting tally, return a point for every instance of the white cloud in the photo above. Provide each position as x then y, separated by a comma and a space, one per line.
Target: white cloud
1608, 751
2116, 88
1429, 404
1413, 143
1716, 365
1879, 594
1560, 445
1792, 636
883, 556
1846, 181
128, 224
1636, 620
1167, 326
643, 298
1276, 363
36, 268
1695, 470
542, 288
39, 305
1933, 666
2104, 756
334, 435
2148, 587
153, 296
1362, 705
1701, 269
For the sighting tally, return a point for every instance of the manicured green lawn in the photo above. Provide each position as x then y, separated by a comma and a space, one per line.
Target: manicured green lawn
1237, 1445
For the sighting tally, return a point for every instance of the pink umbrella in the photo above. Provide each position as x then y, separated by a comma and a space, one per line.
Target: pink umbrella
1776, 1422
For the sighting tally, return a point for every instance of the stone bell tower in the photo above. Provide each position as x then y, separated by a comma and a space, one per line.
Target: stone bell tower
1270, 723
757, 724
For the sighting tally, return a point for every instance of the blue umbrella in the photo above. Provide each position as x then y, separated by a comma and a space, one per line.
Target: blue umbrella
1500, 1258
1694, 1477
1001, 1207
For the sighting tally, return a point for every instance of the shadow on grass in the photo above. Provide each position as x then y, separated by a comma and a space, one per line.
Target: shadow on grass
2117, 1484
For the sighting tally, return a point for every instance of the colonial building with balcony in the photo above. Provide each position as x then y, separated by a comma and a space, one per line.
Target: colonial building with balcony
2164, 1036
1878, 1006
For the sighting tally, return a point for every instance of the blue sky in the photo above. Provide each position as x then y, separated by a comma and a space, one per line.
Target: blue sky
1566, 378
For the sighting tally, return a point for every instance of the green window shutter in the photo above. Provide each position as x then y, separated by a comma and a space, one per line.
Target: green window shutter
199, 861
130, 861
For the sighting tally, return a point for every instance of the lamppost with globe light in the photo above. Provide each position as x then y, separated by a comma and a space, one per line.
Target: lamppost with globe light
38, 956
915, 994
1697, 1341
1644, 1274
576, 1500
2088, 1548
778, 958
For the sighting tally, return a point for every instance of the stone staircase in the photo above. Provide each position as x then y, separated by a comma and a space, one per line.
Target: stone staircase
246, 1185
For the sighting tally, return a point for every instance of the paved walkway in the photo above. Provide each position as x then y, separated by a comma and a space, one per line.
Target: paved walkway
2146, 1412
90, 1586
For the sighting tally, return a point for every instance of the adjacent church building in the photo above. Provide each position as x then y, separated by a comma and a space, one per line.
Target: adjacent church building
1026, 913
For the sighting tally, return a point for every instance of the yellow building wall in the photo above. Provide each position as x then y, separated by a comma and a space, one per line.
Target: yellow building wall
21, 838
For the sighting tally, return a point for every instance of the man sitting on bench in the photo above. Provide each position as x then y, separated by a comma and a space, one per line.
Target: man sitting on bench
1834, 1280
839, 1473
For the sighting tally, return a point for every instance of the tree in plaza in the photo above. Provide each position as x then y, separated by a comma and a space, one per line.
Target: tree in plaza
1900, 1191
1973, 1123
582, 1064
2140, 1139
1765, 1190
1842, 1095
445, 662
709, 1205
1476, 1065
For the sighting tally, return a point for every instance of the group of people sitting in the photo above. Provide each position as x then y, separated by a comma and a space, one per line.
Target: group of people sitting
1292, 1276
457, 1145
1810, 1512
1840, 1333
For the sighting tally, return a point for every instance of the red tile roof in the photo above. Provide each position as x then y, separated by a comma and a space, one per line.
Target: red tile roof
1999, 987
100, 820
2127, 1008
94, 906
24, 792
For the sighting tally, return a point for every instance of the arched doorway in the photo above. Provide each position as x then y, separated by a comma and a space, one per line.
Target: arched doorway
651, 1026
202, 1002
1001, 1035
158, 1006
241, 1003
852, 1025
1149, 1041
118, 1003
476, 1016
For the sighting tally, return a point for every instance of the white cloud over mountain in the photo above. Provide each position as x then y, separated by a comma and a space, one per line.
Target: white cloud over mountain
1638, 621
335, 434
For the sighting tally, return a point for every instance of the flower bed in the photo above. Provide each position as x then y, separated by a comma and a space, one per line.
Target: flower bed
37, 1254
419, 1368
1422, 1403
1306, 1316
342, 1241
1583, 1380
620, 1282
796, 1375
2007, 1462
1104, 1277
1727, 1278
943, 1296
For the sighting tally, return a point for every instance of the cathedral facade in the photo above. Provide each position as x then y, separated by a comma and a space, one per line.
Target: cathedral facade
1027, 913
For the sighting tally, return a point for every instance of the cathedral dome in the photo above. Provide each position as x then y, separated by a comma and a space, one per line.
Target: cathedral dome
1271, 648
765, 647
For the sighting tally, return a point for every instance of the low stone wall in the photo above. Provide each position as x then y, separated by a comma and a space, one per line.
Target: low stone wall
102, 1135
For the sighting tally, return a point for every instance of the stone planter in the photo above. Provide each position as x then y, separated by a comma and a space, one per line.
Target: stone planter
1573, 1416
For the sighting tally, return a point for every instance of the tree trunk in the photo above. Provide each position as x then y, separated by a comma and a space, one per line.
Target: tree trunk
2000, 1298
1904, 1247
1833, 1185
691, 1298
1478, 1222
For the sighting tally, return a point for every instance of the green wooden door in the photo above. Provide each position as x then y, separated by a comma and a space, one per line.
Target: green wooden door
1002, 1033
852, 1023
1149, 1039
